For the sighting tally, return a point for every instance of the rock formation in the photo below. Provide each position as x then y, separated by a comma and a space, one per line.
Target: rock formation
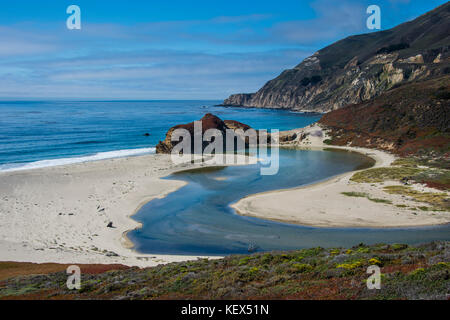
209, 121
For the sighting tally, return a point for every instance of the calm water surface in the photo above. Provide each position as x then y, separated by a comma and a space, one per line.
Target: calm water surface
197, 218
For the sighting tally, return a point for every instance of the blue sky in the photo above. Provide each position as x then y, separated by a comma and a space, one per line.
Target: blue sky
171, 49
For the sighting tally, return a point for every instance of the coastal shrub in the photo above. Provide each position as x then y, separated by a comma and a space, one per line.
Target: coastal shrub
439, 200
244, 261
335, 252
308, 273
312, 252
88, 286
362, 250
302, 267
253, 270
444, 265
399, 246
418, 272
355, 194
179, 284
349, 266
434, 173
382, 174
436, 163
408, 162
247, 275
297, 259
267, 258
365, 195
435, 178
19, 291
380, 200
375, 261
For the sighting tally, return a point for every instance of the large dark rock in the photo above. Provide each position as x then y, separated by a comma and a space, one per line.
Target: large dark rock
209, 121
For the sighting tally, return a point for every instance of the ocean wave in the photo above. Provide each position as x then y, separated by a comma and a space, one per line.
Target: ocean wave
9, 167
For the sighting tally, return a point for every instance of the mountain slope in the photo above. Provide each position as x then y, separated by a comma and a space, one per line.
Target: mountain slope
411, 119
360, 67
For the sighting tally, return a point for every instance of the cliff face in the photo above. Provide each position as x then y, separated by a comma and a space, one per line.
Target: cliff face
240, 99
360, 68
411, 119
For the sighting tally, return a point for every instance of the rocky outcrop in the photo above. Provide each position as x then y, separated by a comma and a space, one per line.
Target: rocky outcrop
236, 125
240, 99
360, 67
288, 137
209, 121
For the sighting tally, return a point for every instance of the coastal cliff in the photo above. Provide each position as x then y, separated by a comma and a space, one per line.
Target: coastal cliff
240, 99
359, 68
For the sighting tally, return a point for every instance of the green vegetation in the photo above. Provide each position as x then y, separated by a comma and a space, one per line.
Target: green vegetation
435, 171
375, 261
355, 194
380, 200
409, 170
350, 266
438, 200
408, 272
365, 195
398, 121
383, 174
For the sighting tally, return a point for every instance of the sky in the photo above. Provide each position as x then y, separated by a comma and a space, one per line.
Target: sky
166, 50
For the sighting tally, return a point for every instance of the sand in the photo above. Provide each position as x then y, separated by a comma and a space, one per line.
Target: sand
324, 205
60, 214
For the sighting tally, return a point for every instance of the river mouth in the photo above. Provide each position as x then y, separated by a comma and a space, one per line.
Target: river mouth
197, 219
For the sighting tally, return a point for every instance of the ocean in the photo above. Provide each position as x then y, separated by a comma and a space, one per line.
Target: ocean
36, 134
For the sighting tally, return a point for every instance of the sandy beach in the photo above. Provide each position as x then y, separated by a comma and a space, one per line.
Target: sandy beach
60, 214
324, 205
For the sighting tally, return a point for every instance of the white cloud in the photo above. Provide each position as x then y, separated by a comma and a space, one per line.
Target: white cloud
332, 21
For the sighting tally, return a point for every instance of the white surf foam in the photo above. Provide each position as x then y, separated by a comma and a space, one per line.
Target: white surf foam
63, 161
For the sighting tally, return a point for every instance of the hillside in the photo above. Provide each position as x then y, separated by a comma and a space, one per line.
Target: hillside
411, 119
408, 272
359, 68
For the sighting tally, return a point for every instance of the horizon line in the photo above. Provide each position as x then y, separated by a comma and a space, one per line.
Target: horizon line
96, 100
